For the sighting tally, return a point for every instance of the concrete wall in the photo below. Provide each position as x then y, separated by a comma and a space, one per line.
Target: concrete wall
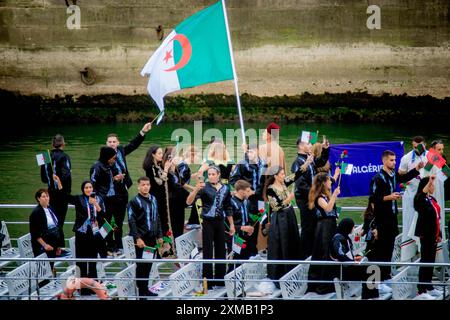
281, 47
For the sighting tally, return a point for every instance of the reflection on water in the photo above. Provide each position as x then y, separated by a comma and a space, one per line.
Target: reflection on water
21, 175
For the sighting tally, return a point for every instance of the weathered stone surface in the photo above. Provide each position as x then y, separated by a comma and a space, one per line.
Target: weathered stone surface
281, 46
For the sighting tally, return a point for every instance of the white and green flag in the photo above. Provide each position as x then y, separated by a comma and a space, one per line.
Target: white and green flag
196, 52
310, 137
346, 168
43, 158
105, 229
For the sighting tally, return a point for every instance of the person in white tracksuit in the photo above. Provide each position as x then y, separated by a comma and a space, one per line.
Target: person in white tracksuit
409, 161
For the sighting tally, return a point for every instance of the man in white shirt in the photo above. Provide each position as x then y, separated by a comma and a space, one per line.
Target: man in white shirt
408, 162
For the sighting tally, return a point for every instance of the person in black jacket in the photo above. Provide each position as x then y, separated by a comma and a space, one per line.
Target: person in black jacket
102, 177
243, 222
179, 176
122, 180
216, 206
384, 196
89, 218
44, 227
305, 169
145, 228
428, 230
60, 166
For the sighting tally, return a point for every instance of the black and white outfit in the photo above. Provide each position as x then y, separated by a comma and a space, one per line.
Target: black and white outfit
102, 177
325, 230
241, 217
88, 241
428, 230
284, 238
216, 206
44, 224
303, 183
122, 186
62, 167
384, 184
144, 224
158, 180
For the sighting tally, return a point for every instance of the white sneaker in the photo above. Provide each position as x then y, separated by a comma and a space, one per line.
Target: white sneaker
384, 288
424, 296
435, 293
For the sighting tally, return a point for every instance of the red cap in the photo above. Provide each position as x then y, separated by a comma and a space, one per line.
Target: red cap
272, 126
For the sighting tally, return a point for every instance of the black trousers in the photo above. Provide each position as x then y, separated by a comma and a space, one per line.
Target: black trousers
213, 235
427, 254
115, 207
308, 222
88, 245
177, 203
58, 202
143, 269
383, 249
193, 217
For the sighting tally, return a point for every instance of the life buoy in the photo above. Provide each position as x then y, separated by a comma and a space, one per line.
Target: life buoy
74, 284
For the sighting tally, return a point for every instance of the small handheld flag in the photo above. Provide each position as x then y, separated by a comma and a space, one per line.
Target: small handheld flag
310, 137
105, 229
43, 158
238, 244
346, 168
435, 158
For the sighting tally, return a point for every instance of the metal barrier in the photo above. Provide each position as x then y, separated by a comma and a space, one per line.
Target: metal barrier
27, 281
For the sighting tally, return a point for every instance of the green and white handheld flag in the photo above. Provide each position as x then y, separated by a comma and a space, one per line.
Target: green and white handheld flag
346, 168
310, 137
43, 158
105, 229
196, 52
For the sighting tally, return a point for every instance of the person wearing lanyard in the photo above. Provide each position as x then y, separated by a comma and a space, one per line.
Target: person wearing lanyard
44, 228
122, 182
384, 196
89, 216
408, 162
242, 222
145, 228
216, 206
429, 231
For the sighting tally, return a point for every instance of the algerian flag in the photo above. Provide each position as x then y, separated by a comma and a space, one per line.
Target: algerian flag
428, 166
148, 253
446, 171
238, 244
43, 158
441, 176
196, 52
310, 137
105, 229
346, 168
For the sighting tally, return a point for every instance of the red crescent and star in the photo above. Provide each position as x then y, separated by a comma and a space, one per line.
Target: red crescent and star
186, 52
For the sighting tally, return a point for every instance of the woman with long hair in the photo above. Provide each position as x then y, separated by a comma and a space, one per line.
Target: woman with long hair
179, 175
218, 156
157, 172
284, 237
324, 202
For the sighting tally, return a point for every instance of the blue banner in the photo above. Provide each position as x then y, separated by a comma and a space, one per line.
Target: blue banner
366, 161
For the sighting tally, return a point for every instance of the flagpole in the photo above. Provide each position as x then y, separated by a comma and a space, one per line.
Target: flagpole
234, 73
